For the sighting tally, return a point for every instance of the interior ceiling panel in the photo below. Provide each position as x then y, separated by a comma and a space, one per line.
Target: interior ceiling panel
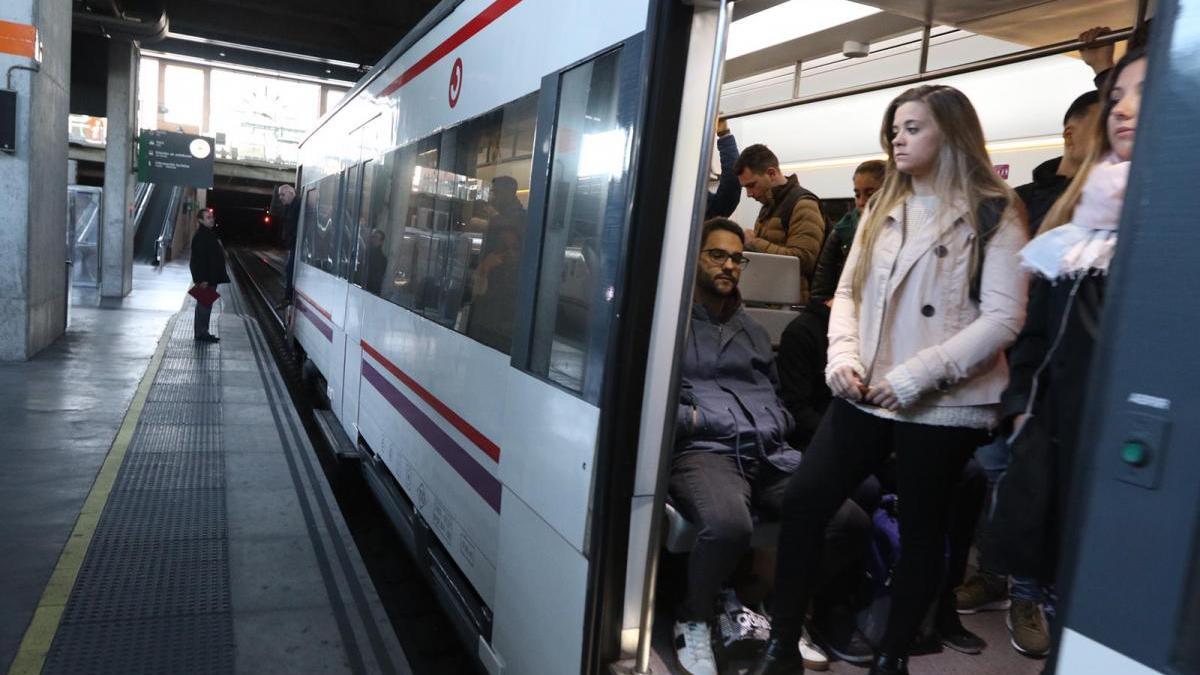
1026, 22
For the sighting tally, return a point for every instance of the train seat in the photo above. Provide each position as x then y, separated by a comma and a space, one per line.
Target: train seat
681, 533
770, 288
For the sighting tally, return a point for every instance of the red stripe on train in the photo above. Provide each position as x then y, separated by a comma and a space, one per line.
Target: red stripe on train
324, 312
494, 11
489, 448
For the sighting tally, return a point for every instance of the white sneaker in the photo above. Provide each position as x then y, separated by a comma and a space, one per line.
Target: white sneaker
814, 657
693, 648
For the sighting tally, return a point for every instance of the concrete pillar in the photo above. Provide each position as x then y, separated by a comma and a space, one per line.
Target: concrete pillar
116, 243
33, 205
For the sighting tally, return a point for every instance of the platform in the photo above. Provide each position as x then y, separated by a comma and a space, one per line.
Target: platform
162, 511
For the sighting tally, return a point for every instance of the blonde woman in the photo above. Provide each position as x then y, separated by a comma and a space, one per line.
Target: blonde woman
931, 295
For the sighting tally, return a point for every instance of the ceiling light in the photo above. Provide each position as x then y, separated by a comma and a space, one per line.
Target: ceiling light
788, 21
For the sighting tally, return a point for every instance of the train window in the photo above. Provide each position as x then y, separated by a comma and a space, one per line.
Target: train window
371, 260
590, 157
310, 219
348, 227
324, 227
415, 185
486, 166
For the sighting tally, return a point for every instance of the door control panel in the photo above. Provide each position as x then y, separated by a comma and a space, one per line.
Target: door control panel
1142, 453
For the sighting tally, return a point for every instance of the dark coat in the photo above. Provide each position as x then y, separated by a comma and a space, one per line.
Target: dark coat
727, 392
1031, 497
208, 258
802, 369
725, 199
1040, 195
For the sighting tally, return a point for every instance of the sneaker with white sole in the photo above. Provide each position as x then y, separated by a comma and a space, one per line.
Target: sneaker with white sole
814, 657
1027, 626
982, 592
693, 648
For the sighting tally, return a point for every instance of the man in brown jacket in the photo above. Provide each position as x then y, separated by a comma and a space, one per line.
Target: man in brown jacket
790, 222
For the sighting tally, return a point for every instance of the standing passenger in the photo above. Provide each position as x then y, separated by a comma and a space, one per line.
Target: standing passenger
1051, 360
930, 297
724, 200
731, 452
790, 222
1051, 177
208, 270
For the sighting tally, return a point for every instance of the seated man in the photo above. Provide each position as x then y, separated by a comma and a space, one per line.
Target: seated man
731, 452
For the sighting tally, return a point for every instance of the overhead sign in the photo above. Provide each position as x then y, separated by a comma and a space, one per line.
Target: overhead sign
169, 158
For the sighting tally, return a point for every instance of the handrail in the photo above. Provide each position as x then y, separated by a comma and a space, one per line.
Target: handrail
167, 234
962, 69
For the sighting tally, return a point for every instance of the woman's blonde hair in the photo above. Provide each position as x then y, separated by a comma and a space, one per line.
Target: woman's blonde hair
1096, 135
963, 170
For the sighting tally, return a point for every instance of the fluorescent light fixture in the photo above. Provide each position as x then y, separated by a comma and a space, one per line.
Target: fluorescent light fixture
788, 21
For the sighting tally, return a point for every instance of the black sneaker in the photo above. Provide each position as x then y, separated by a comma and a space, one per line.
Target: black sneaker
838, 634
956, 636
207, 338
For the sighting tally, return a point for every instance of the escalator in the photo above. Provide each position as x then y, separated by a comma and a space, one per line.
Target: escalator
156, 210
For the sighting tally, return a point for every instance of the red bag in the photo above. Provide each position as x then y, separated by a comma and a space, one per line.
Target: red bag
205, 295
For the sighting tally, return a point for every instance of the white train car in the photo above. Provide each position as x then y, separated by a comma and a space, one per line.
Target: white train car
468, 219
493, 275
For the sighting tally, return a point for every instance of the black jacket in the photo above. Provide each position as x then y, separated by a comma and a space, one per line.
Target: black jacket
725, 199
1057, 395
1040, 195
1030, 506
208, 258
801, 364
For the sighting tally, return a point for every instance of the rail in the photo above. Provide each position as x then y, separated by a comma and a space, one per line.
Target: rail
167, 233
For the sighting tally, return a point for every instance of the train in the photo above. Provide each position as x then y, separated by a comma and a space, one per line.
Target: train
493, 275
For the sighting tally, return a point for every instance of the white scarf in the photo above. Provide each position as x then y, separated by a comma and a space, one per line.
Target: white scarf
1086, 244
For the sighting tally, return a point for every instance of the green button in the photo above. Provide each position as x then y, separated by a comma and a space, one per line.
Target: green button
1134, 453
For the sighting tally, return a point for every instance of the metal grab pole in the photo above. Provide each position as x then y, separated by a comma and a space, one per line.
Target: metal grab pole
646, 628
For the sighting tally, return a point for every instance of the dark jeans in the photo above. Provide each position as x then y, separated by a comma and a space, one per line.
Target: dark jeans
848, 446
203, 314
717, 496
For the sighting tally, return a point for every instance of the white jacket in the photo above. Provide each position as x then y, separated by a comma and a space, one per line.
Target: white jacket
917, 325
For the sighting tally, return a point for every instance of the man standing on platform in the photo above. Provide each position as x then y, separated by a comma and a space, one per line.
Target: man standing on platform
208, 270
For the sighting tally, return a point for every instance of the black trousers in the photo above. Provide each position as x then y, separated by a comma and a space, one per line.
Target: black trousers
716, 494
848, 446
203, 314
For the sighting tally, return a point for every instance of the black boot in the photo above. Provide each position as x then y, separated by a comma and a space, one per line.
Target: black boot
779, 658
889, 665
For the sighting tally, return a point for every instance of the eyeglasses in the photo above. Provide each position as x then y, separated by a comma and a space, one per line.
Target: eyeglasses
720, 255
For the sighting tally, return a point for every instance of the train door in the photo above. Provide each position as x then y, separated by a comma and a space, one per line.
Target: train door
1132, 582
337, 376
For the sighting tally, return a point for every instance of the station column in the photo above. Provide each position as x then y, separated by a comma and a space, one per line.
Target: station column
33, 171
116, 245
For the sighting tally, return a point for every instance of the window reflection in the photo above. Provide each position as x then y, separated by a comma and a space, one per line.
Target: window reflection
589, 158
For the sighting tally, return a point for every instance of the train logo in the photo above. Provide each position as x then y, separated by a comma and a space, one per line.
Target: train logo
456, 76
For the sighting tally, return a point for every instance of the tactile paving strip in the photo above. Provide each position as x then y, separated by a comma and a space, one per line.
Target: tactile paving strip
186, 393
163, 514
164, 412
190, 438
201, 377
173, 471
141, 579
178, 644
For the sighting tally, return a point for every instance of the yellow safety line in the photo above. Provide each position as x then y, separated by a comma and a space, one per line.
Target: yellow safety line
35, 646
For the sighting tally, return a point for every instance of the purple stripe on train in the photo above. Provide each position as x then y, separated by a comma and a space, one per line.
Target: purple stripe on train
459, 459
314, 319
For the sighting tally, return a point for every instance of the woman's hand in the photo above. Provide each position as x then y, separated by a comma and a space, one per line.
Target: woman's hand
883, 396
845, 383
